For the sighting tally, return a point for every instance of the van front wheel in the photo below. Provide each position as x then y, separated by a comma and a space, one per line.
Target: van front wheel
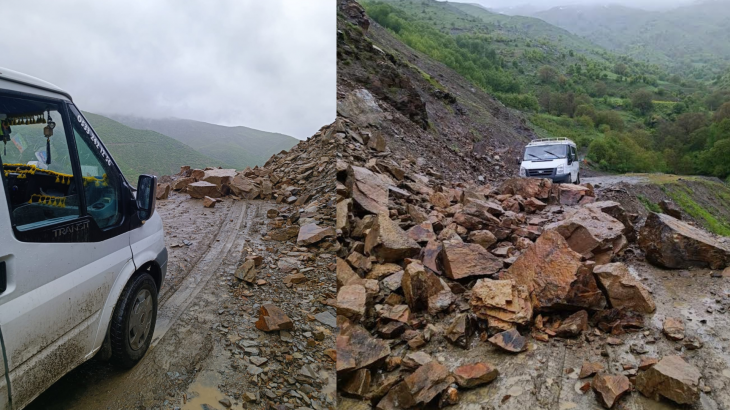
577, 179
133, 321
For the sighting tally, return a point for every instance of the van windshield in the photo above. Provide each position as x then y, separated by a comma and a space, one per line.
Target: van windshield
546, 152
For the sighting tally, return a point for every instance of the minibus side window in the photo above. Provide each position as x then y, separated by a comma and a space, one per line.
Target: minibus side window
101, 182
41, 191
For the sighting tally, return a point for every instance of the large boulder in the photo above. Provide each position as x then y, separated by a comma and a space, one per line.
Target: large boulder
388, 242
419, 388
592, 233
670, 243
672, 378
424, 290
368, 190
547, 269
312, 233
243, 187
622, 289
357, 349
615, 209
219, 177
202, 189
527, 187
462, 260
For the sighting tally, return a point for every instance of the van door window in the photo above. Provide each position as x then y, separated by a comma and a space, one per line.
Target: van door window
37, 171
101, 182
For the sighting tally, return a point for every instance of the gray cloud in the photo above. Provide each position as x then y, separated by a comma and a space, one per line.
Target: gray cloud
538, 5
268, 64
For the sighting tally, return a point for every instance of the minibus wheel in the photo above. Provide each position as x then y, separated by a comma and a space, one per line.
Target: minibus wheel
133, 321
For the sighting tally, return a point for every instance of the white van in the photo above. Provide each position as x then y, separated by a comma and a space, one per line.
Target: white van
82, 253
552, 158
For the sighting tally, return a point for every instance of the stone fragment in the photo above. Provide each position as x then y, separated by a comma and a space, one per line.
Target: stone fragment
476, 374
247, 271
533, 205
670, 243
182, 183
272, 213
271, 319
209, 202
622, 289
424, 290
673, 328
574, 325
527, 187
388, 242
352, 301
462, 260
609, 388
648, 362
414, 360
202, 189
460, 330
284, 234
369, 191
547, 269
218, 177
672, 378
589, 369
670, 208
357, 384
501, 299
484, 238
510, 340
312, 233
422, 233
615, 209
163, 191
243, 187
357, 349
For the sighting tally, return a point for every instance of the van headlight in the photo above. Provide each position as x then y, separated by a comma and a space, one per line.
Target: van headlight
560, 170
523, 172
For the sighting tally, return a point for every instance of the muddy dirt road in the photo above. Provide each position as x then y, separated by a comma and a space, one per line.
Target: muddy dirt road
206, 352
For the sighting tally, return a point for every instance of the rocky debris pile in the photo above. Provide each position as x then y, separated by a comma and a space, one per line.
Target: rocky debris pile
423, 260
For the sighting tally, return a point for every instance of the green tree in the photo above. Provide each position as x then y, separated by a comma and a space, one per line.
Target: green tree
643, 100
547, 74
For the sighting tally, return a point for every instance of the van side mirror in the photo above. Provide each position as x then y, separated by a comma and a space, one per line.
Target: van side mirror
146, 196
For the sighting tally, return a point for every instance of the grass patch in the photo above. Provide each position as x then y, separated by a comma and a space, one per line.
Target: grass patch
649, 205
683, 197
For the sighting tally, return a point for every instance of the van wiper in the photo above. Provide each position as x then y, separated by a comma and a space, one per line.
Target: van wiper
534, 156
548, 152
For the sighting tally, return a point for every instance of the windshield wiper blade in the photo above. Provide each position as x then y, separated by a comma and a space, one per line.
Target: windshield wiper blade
548, 152
534, 156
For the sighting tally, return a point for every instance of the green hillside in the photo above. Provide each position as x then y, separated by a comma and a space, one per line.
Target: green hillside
146, 152
693, 39
240, 147
628, 115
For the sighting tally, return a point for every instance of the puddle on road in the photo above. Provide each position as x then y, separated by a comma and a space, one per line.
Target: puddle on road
203, 394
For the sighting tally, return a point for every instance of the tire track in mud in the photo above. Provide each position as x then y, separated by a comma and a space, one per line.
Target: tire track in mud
175, 302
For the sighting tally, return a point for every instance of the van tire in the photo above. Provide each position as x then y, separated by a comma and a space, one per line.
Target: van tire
577, 179
140, 287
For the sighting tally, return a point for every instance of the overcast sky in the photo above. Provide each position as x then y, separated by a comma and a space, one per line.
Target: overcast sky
265, 64
547, 4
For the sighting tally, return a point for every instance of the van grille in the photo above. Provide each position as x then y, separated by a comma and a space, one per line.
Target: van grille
542, 172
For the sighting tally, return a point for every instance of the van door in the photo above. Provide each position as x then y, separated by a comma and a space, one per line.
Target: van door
64, 240
4, 388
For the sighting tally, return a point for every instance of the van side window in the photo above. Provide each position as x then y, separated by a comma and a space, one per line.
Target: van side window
42, 191
101, 184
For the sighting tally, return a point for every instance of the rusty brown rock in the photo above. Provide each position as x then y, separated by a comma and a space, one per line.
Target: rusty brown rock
440, 200
312, 233
672, 378
510, 340
284, 234
357, 349
182, 183
202, 189
533, 205
476, 374
501, 299
352, 301
592, 233
622, 289
462, 260
484, 238
271, 319
589, 369
247, 271
430, 255
388, 242
547, 269
218, 177
422, 232
609, 388
243, 187
369, 190
615, 209
670, 208
163, 191
419, 388
358, 384
209, 202
670, 243
574, 325
527, 187
424, 290
461, 329
673, 328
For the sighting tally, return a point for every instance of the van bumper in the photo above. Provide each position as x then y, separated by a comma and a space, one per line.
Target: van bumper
161, 261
